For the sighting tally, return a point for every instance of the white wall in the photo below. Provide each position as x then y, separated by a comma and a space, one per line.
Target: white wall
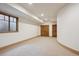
26, 31
50, 27
68, 26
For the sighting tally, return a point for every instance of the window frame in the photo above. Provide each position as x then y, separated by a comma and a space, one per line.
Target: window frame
5, 14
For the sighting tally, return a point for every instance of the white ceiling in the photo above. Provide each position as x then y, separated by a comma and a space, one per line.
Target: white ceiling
49, 10
22, 16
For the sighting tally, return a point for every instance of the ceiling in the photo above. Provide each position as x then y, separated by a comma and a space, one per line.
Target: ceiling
49, 10
31, 12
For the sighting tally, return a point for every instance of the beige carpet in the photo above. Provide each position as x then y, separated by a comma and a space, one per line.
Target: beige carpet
41, 46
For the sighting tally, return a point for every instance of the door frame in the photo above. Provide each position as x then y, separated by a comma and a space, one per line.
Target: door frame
54, 35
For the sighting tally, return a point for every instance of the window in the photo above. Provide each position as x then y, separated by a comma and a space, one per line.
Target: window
1, 17
6, 18
12, 24
8, 23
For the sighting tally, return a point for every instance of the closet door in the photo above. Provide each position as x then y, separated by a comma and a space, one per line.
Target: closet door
54, 30
44, 30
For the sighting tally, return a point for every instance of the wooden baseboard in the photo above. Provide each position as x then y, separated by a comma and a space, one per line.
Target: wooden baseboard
69, 48
13, 45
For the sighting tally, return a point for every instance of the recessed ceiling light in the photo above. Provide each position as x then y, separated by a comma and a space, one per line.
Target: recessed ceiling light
42, 14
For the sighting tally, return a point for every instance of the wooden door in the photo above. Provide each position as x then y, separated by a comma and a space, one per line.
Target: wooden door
44, 30
54, 30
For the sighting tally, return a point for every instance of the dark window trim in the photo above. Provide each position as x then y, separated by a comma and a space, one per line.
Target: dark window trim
5, 14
